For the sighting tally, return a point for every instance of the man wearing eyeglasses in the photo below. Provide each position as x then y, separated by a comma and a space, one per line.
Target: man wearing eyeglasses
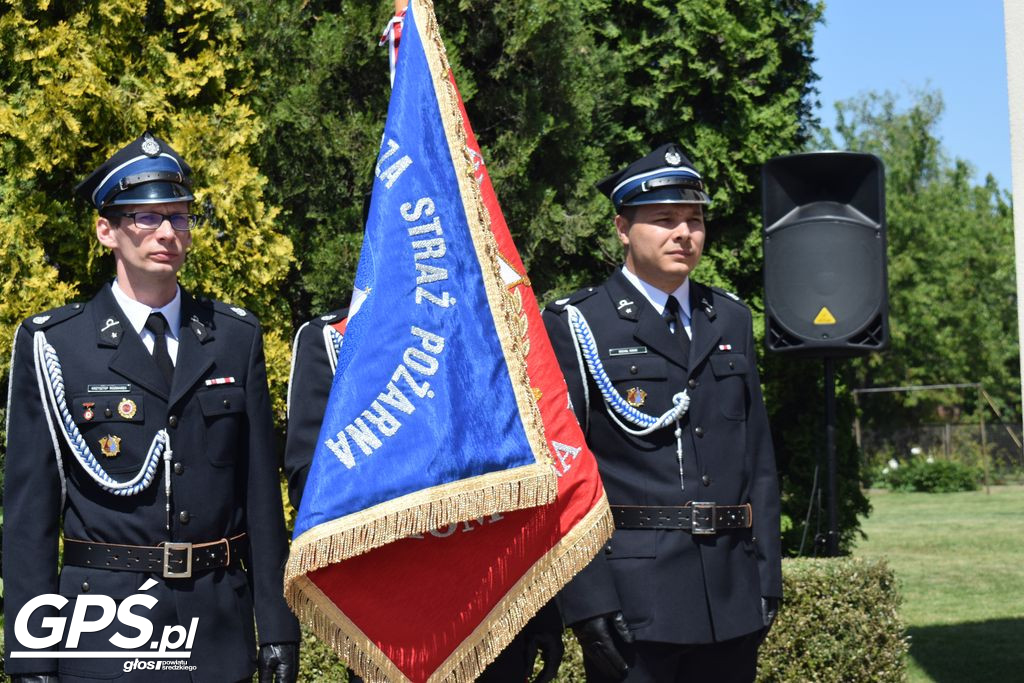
139, 431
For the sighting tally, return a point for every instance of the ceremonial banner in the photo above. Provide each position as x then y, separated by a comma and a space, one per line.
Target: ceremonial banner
443, 601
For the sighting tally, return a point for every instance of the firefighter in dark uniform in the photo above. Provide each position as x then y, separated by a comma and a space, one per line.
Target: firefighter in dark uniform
663, 378
314, 361
139, 430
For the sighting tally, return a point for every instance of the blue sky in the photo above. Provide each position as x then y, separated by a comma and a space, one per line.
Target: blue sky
905, 45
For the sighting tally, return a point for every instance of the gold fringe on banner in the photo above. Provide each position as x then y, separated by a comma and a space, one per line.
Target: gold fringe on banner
480, 496
538, 586
419, 513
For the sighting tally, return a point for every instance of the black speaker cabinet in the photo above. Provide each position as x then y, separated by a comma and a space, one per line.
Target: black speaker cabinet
825, 282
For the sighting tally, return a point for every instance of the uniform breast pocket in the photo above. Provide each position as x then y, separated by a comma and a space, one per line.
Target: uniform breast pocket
113, 428
635, 376
223, 411
730, 370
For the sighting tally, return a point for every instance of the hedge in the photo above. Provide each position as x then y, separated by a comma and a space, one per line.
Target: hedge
839, 622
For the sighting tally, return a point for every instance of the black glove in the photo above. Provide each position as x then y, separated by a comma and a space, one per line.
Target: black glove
769, 610
602, 639
549, 644
279, 663
35, 678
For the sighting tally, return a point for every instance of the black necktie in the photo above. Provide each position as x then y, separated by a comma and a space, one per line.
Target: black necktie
157, 324
671, 314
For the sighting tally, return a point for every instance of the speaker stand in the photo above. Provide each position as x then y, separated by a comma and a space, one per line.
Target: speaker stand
832, 542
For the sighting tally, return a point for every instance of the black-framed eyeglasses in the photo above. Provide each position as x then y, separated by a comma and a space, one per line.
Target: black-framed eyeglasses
151, 220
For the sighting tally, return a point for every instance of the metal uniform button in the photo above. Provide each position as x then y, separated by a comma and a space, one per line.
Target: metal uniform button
706, 480
172, 421
633, 369
108, 412
692, 383
732, 366
178, 468
85, 586
183, 517
699, 431
227, 403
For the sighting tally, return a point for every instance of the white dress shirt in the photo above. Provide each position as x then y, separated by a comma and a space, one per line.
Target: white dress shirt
137, 314
659, 298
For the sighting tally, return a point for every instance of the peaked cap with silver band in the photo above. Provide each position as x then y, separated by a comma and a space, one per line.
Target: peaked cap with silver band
665, 176
145, 171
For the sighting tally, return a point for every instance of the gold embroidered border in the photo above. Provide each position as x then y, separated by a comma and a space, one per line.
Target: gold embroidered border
347, 640
479, 221
417, 513
539, 585
547, 576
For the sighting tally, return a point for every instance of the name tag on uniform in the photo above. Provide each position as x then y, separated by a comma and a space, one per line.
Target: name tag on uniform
109, 388
627, 351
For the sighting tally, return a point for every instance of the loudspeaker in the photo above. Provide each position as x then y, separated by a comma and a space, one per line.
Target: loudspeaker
825, 274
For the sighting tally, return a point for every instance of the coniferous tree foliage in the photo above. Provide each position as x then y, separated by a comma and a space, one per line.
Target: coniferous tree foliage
80, 80
560, 94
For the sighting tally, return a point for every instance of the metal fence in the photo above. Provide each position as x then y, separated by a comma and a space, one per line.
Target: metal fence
959, 442
990, 443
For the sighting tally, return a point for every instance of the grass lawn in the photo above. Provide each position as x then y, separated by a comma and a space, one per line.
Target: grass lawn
959, 558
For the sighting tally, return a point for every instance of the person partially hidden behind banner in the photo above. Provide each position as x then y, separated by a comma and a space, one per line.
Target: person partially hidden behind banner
314, 360
663, 378
139, 427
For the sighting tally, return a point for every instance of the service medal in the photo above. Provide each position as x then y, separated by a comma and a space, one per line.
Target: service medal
127, 408
110, 445
88, 414
636, 396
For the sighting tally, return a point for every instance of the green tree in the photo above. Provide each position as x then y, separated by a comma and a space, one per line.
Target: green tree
952, 292
559, 94
81, 80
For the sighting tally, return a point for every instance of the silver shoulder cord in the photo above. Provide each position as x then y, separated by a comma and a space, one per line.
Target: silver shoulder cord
50, 379
332, 342
616, 406
291, 370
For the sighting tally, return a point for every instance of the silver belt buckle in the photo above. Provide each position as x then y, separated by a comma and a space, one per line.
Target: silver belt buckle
702, 518
168, 572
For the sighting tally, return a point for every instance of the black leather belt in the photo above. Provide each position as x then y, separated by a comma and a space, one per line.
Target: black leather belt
172, 560
697, 517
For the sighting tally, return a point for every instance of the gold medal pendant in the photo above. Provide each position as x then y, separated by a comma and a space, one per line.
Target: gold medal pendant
636, 396
127, 408
110, 445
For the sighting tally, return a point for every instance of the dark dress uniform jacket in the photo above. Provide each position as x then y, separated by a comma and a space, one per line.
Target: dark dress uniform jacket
224, 482
308, 390
671, 586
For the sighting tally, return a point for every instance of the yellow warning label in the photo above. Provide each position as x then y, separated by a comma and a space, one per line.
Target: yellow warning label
824, 317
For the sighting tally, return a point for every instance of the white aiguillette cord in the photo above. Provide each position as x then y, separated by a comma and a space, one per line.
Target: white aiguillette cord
50, 379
